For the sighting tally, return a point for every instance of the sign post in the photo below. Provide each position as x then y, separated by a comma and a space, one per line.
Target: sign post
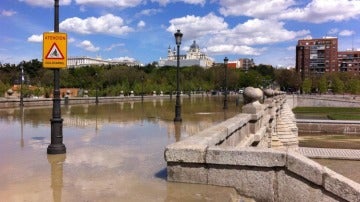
54, 56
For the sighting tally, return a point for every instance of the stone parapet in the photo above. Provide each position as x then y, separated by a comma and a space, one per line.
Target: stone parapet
326, 100
328, 126
256, 153
266, 175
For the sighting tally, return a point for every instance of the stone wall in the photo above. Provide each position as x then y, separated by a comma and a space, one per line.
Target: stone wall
15, 102
325, 126
254, 152
325, 100
328, 126
266, 175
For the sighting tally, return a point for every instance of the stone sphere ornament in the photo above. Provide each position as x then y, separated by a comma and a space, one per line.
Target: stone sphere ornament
252, 94
269, 92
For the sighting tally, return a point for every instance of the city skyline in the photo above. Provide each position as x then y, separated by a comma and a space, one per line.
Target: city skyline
142, 30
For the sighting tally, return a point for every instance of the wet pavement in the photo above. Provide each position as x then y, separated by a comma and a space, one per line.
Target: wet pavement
115, 152
340, 145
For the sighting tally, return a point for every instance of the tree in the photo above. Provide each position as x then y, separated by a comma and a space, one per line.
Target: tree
3, 88
306, 85
353, 86
338, 86
289, 80
322, 85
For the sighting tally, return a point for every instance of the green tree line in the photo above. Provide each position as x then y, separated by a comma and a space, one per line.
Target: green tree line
110, 80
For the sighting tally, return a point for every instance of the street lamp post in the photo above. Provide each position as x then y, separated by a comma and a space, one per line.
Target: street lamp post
96, 89
225, 83
21, 86
178, 35
56, 146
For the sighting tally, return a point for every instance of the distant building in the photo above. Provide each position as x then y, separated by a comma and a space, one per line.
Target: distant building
349, 61
317, 56
242, 63
193, 57
73, 62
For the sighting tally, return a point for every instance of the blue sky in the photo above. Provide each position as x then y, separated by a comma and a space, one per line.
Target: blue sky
142, 30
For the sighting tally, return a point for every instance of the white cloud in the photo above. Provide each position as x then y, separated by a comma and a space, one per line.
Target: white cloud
71, 40
111, 3
45, 3
126, 58
141, 24
316, 11
7, 13
233, 49
255, 8
114, 46
165, 2
346, 33
195, 27
241, 39
107, 24
87, 45
149, 12
35, 38
320, 11
201, 2
256, 31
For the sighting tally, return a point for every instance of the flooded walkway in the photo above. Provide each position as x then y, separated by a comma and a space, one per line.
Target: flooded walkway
115, 152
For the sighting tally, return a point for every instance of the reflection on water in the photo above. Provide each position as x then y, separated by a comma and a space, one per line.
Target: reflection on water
114, 151
56, 164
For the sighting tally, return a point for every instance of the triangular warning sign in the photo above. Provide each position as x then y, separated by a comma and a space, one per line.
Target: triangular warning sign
54, 53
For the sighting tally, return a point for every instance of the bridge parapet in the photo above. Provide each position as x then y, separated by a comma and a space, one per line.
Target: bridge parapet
253, 153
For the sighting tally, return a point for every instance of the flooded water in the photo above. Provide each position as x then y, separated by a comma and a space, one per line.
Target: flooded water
115, 152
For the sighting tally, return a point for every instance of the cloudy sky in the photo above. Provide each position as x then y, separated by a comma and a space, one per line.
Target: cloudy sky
266, 30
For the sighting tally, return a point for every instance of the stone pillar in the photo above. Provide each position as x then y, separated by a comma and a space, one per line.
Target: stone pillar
270, 130
254, 107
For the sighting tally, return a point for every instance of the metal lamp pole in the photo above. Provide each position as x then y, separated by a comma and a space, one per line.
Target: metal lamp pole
21, 86
178, 35
225, 83
56, 146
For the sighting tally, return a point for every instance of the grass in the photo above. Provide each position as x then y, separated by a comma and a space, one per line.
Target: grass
334, 113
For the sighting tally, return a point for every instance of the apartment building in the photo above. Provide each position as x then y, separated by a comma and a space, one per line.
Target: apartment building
349, 61
314, 56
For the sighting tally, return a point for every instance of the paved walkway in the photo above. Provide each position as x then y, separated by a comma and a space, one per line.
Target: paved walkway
327, 121
327, 153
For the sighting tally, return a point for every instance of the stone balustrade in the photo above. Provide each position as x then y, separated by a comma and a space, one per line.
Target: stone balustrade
256, 153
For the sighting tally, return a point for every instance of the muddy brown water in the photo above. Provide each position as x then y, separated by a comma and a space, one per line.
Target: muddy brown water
115, 152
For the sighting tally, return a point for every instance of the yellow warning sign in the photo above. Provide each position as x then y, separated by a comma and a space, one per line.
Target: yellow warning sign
54, 50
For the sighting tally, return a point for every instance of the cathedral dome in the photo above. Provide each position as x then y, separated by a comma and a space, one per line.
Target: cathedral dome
194, 46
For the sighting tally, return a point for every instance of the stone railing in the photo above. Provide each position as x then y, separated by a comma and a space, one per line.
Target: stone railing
256, 153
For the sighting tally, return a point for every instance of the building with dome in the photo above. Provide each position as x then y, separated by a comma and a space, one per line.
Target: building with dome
193, 57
